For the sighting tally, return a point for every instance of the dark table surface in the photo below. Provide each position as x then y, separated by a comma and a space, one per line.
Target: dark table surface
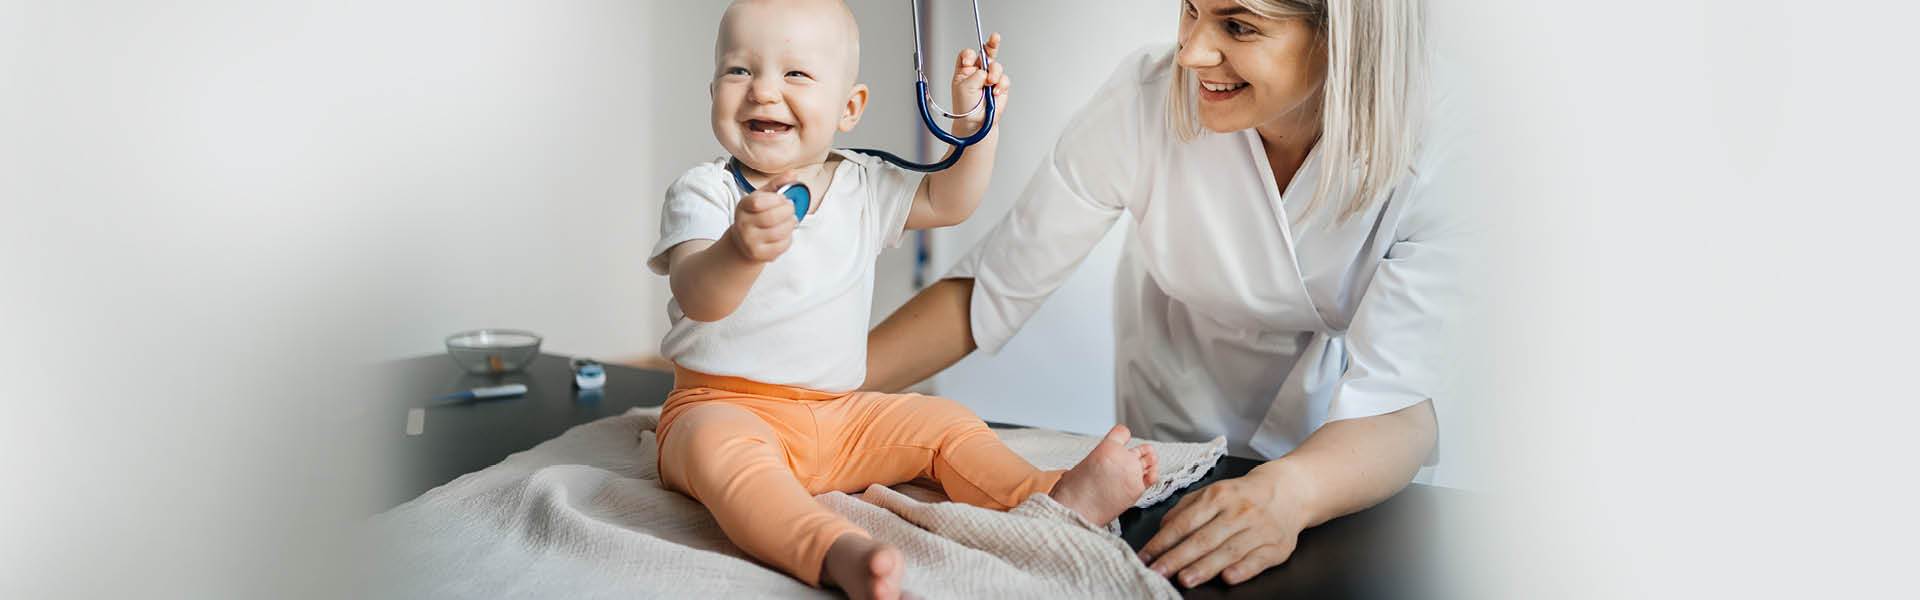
1382, 552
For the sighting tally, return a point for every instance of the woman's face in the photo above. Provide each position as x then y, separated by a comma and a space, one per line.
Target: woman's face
1253, 71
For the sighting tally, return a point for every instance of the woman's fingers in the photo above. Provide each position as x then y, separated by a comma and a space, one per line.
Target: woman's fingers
1203, 541
1247, 529
1222, 556
1258, 561
1191, 529
1178, 522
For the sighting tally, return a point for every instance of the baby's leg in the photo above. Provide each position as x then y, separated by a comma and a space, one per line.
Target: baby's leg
734, 463
893, 436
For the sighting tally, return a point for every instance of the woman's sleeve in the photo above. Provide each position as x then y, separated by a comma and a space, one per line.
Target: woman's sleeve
1072, 201
1404, 336
1397, 344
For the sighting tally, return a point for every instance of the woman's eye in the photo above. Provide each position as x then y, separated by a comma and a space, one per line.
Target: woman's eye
1236, 28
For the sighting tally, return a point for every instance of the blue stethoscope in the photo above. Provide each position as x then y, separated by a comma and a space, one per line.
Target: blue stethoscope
802, 197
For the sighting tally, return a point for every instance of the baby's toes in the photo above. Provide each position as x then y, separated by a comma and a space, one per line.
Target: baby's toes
1149, 464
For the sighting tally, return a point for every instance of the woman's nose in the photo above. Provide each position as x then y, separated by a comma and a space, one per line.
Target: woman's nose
1196, 52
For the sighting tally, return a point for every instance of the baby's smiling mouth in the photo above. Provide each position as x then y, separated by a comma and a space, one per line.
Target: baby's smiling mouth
763, 126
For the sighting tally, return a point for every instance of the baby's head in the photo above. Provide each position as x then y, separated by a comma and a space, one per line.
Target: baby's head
784, 81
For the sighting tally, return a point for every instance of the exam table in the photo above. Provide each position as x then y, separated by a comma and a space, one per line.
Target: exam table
1398, 549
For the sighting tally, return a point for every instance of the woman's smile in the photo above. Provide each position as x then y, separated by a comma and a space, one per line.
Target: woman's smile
1212, 91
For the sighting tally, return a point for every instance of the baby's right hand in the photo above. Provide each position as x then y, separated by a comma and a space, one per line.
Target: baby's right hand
763, 223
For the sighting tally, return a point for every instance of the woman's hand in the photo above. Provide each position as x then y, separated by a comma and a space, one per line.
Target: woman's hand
1234, 528
1240, 527
969, 79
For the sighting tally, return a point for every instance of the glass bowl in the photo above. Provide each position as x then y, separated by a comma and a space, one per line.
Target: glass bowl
493, 351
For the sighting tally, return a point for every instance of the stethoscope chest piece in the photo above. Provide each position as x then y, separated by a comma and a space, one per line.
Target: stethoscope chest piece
801, 196
796, 192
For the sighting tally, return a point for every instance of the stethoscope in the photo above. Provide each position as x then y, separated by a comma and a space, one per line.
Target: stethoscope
802, 197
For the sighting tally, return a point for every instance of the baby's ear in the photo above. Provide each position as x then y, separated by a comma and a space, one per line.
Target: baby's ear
856, 106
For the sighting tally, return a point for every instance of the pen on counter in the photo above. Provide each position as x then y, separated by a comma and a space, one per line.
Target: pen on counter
500, 391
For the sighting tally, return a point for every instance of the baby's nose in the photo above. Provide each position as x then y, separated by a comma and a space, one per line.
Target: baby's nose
763, 93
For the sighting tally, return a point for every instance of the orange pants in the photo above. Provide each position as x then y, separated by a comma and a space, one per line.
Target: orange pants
755, 454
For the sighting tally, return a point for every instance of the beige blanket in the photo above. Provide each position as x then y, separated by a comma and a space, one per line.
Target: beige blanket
583, 515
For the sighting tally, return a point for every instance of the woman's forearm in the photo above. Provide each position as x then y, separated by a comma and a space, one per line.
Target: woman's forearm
928, 334
1352, 464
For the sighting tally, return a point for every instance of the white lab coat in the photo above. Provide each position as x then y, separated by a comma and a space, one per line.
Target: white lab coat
1233, 315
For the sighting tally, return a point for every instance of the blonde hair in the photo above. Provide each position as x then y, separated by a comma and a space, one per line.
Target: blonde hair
1376, 75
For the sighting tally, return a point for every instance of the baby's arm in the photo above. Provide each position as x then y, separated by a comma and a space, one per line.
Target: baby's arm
711, 278
948, 197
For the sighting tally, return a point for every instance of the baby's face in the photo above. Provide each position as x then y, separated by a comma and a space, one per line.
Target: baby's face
783, 82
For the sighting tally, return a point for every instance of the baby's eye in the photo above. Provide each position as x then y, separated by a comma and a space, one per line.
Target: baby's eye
799, 74
735, 71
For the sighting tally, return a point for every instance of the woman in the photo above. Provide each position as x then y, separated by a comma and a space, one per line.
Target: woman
1285, 282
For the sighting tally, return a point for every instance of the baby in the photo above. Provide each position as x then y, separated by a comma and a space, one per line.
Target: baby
770, 312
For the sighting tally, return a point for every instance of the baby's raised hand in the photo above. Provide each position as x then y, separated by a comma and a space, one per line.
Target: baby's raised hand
969, 79
763, 223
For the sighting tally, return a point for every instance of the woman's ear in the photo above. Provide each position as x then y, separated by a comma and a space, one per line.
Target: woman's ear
856, 106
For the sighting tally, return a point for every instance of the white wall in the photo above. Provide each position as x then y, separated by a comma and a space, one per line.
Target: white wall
499, 164
476, 163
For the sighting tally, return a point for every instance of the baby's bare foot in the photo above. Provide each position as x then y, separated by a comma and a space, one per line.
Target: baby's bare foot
864, 568
1109, 480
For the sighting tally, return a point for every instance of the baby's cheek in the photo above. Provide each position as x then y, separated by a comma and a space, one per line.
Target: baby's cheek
819, 132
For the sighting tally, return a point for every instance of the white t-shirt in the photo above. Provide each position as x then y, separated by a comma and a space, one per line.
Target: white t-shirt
804, 323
